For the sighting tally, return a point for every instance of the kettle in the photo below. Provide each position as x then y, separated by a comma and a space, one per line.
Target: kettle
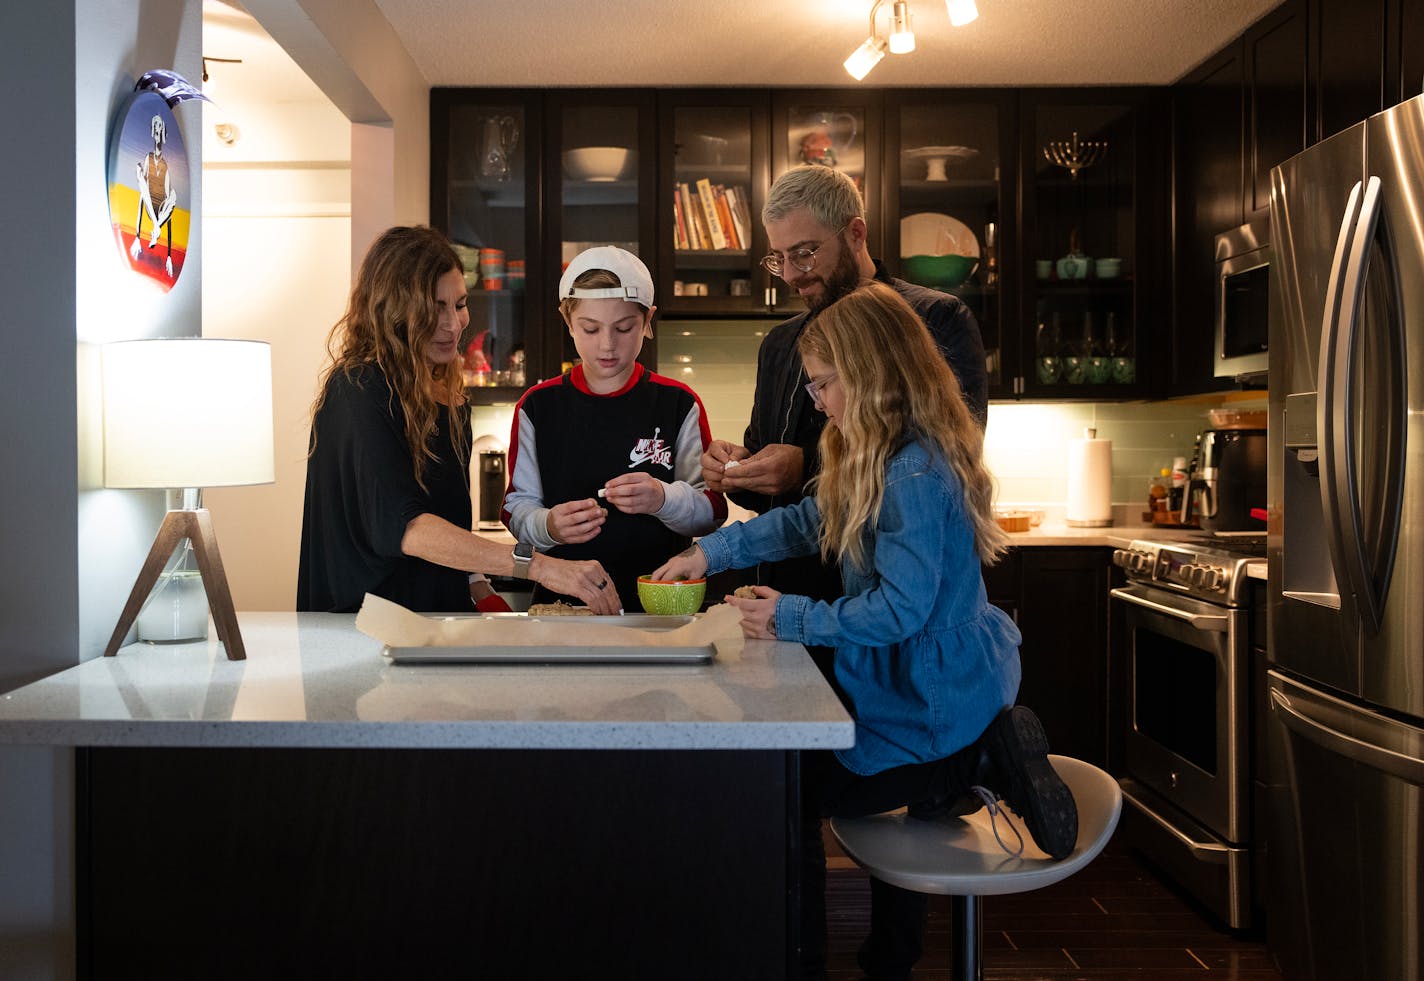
1227, 481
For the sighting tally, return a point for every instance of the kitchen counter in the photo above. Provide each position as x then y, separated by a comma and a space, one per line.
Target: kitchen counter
372, 820
1112, 536
313, 680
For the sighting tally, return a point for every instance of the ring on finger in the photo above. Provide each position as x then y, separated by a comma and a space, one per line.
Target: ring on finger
600, 584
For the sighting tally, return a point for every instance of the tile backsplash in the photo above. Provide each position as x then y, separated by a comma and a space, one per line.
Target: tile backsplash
1026, 444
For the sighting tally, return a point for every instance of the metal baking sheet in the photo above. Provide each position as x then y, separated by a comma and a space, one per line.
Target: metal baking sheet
528, 654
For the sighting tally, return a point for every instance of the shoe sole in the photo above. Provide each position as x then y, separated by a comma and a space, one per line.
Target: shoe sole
1019, 750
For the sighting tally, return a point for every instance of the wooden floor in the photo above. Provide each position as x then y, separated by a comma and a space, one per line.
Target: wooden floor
1113, 921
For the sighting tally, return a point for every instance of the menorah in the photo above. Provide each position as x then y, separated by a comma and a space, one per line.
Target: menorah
1075, 154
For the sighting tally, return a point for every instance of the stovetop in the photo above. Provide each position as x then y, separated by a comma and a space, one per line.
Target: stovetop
1207, 567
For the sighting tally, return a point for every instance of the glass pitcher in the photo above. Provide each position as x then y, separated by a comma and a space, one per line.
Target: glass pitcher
497, 143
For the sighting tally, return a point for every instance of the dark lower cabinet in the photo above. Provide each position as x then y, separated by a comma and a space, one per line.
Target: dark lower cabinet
383, 864
1058, 595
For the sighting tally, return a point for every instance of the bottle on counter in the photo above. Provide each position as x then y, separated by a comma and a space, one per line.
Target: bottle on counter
1179, 484
1158, 503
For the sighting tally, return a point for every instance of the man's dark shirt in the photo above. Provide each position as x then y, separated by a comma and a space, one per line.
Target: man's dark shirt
782, 412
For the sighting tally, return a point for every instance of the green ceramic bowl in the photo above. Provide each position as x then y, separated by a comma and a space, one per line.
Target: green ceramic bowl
678, 598
942, 271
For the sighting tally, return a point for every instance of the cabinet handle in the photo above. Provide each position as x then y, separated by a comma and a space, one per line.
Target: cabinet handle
770, 296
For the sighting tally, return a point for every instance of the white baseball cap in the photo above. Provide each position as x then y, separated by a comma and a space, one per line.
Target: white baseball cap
637, 281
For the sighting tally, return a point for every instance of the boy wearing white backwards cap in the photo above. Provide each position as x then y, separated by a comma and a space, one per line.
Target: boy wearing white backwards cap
609, 428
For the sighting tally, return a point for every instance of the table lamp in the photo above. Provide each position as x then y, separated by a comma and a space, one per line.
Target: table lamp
183, 414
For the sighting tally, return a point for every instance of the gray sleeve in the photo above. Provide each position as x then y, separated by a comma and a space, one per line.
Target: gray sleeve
525, 515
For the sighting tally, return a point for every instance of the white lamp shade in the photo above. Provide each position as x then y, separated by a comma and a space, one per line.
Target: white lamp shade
187, 412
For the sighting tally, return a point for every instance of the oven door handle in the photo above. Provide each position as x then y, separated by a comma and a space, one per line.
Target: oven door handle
1215, 622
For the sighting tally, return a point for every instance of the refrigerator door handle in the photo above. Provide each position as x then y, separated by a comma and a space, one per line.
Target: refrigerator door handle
1295, 712
1338, 499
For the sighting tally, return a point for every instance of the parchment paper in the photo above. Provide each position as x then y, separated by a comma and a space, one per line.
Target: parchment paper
395, 626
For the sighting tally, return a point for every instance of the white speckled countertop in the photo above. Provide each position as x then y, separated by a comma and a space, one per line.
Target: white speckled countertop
313, 680
1114, 536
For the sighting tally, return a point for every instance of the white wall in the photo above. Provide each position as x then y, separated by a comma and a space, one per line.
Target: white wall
338, 153
72, 549
277, 229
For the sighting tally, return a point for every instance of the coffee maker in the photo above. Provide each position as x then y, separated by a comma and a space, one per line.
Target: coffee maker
1228, 480
490, 483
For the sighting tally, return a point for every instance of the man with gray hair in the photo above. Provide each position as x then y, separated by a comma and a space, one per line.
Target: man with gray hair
815, 224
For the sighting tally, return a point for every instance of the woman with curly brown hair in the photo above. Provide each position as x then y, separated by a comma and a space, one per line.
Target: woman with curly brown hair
388, 494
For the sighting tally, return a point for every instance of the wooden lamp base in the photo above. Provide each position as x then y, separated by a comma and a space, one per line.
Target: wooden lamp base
195, 525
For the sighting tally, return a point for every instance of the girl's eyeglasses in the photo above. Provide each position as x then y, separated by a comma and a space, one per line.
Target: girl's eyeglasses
815, 388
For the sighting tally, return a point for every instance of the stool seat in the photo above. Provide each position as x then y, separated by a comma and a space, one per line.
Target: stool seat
958, 856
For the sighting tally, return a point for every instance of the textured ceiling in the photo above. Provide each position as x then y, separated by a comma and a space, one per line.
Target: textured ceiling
755, 42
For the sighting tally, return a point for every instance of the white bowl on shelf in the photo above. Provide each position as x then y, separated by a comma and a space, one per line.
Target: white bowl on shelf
598, 164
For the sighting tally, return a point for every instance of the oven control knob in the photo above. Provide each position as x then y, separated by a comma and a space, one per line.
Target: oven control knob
1119, 558
1215, 580
1186, 574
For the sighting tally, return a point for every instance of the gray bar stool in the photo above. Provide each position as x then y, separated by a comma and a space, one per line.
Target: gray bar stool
960, 858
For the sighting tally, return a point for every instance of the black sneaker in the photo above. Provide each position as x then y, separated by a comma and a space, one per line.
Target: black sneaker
1019, 772
941, 808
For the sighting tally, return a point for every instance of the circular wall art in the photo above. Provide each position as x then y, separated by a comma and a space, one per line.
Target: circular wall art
148, 181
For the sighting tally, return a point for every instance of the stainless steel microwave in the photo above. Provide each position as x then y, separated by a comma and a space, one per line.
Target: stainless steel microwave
1243, 290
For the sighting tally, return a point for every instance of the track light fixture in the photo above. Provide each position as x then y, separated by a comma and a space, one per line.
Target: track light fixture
961, 12
902, 34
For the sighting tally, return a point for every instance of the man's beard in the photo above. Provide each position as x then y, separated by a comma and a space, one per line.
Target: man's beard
842, 279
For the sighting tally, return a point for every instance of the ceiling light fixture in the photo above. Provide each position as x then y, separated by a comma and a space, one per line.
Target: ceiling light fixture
961, 12
865, 57
902, 34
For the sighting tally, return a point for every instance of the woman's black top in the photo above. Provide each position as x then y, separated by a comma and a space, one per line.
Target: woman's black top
361, 493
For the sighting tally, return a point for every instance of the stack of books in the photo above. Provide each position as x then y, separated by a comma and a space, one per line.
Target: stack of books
711, 217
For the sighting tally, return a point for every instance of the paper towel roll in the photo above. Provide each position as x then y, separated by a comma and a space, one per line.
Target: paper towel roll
1089, 482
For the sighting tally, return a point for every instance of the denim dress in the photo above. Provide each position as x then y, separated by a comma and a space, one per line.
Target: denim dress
925, 661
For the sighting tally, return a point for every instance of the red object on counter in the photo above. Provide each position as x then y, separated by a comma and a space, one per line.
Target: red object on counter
493, 603
1259, 514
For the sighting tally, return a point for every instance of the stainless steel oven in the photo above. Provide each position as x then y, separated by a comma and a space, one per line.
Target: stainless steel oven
1187, 749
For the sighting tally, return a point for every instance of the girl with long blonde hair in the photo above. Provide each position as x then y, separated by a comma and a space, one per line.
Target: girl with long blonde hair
388, 488
926, 665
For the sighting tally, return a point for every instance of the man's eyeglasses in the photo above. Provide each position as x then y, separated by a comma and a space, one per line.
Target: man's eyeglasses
803, 258
815, 388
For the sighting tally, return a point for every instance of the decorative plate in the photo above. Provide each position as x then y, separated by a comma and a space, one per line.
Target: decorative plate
929, 233
947, 152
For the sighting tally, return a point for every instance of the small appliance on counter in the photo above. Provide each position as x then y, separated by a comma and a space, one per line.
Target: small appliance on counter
488, 481
1228, 480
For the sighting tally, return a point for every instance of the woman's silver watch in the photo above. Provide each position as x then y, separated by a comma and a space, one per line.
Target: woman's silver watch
523, 555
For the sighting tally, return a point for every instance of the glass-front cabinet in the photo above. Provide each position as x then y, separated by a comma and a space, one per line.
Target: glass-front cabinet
488, 148
604, 156
840, 128
710, 188
1046, 210
946, 172
1084, 312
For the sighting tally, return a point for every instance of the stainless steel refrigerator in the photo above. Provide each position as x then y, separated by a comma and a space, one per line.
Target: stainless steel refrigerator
1345, 540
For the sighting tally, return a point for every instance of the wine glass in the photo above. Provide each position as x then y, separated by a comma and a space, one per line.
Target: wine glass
1048, 366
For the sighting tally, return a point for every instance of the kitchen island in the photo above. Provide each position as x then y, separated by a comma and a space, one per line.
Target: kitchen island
315, 811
